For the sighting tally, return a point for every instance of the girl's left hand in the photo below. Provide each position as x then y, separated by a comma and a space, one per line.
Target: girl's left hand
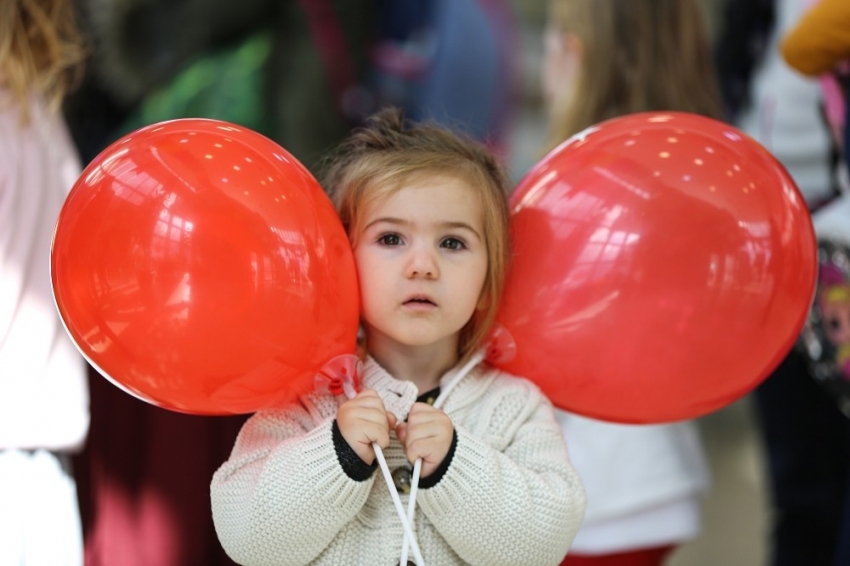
427, 434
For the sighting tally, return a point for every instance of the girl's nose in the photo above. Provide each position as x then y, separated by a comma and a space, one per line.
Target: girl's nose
422, 264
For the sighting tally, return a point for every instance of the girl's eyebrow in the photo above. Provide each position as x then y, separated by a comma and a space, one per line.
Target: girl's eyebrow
461, 225
401, 222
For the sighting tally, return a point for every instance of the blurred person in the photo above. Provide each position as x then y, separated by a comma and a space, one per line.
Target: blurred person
604, 59
43, 394
820, 40
807, 439
819, 46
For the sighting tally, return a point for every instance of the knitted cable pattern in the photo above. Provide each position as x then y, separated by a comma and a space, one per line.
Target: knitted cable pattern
510, 495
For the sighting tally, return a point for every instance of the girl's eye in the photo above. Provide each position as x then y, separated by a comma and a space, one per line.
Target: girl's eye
453, 244
389, 240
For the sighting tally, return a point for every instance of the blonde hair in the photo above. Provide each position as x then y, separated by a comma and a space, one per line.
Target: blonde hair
377, 160
637, 56
40, 50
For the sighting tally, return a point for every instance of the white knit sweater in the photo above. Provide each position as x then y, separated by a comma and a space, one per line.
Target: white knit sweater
510, 495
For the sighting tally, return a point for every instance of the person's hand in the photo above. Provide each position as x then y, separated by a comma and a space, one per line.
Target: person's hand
427, 434
363, 420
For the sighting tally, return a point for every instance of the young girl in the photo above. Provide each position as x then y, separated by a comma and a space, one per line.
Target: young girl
426, 214
43, 394
603, 59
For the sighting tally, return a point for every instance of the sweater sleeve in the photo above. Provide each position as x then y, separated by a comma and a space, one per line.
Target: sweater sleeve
820, 40
282, 496
519, 505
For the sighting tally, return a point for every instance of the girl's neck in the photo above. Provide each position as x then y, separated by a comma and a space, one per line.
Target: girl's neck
422, 365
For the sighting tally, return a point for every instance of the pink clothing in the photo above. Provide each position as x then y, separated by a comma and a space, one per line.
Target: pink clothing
43, 391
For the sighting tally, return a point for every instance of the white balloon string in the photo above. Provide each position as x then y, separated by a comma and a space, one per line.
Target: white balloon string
417, 466
411, 506
388, 478
476, 359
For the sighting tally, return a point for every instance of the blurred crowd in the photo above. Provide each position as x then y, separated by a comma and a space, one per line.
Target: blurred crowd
305, 73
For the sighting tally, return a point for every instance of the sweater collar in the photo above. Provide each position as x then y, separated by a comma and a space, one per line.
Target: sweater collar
399, 395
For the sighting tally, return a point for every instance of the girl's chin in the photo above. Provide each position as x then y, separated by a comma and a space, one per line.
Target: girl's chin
430, 341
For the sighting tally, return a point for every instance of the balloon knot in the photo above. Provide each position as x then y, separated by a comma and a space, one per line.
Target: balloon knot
501, 346
338, 372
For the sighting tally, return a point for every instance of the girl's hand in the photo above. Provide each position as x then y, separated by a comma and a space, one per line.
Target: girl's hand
427, 434
363, 420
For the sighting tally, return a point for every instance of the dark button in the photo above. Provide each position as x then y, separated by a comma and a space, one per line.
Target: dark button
401, 479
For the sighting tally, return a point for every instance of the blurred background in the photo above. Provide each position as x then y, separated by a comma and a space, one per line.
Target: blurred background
303, 73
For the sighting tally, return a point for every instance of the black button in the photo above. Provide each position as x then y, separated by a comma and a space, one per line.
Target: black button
401, 479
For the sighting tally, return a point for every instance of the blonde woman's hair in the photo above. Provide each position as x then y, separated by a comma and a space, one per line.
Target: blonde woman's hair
637, 56
40, 50
378, 159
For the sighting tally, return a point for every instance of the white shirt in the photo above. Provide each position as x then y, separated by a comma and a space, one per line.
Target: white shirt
644, 483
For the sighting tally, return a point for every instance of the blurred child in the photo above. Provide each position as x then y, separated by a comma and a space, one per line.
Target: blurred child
820, 40
427, 217
603, 59
806, 436
819, 45
834, 304
43, 393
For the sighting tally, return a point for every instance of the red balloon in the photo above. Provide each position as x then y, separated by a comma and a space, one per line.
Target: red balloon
199, 266
664, 265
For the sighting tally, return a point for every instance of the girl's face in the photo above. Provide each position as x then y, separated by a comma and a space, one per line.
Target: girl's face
422, 261
561, 59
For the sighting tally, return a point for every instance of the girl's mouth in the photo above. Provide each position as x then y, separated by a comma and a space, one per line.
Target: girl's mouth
419, 302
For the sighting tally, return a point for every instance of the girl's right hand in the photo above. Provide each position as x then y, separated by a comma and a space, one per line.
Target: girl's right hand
363, 420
